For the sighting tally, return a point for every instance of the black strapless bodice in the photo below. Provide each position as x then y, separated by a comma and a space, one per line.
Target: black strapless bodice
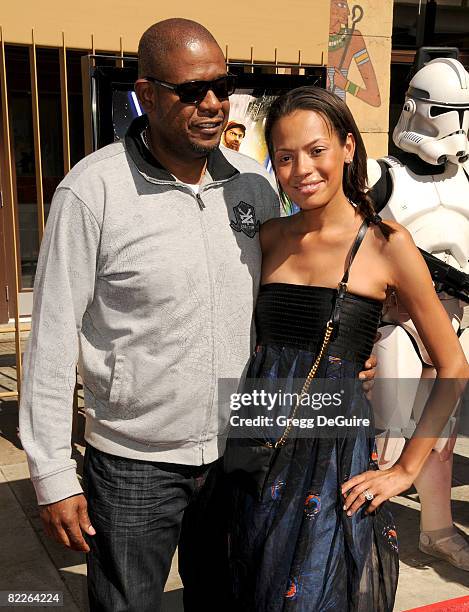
296, 315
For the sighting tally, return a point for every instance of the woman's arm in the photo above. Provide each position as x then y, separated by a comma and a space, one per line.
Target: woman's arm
411, 279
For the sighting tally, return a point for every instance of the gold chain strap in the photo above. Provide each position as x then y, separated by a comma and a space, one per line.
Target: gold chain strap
312, 373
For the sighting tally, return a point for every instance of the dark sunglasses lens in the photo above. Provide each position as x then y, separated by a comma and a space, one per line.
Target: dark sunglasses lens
190, 93
224, 87
193, 92
231, 83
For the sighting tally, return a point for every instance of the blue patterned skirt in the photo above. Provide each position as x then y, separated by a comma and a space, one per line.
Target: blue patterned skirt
295, 548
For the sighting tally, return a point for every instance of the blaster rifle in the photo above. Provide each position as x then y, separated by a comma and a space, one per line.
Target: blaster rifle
447, 278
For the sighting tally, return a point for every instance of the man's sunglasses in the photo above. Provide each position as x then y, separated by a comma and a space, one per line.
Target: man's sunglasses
194, 92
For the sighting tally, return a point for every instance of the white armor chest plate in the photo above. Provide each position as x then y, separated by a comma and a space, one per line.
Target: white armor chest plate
435, 209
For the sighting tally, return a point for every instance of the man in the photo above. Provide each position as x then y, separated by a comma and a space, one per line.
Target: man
147, 275
233, 135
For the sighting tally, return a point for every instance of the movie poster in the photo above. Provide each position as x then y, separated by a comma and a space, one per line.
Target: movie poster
249, 105
244, 131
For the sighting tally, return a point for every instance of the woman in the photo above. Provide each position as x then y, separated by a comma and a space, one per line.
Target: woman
316, 535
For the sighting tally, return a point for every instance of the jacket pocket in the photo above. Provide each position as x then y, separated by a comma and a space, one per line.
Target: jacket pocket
116, 382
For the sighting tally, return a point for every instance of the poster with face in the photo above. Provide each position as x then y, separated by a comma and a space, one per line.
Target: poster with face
117, 105
249, 105
244, 131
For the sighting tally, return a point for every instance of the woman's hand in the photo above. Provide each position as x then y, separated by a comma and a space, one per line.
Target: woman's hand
383, 484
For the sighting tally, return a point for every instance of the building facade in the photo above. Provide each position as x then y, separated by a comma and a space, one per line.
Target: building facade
45, 99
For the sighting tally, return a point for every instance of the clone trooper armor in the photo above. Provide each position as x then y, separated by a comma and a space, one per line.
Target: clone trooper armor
427, 191
434, 122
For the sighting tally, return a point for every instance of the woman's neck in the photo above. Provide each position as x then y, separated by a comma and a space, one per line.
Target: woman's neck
337, 214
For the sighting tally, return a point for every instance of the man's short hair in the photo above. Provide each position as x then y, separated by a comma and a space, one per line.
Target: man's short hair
162, 38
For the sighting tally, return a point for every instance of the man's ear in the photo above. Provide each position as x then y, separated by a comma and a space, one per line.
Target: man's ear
145, 94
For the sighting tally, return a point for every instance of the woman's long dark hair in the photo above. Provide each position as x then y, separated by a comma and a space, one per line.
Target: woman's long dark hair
338, 116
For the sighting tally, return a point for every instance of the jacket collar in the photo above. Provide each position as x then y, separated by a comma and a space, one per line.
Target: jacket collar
218, 167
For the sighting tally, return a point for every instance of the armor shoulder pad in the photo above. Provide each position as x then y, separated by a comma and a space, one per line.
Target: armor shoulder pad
392, 162
381, 191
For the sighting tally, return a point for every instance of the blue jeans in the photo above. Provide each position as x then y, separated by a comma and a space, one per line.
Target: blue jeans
141, 511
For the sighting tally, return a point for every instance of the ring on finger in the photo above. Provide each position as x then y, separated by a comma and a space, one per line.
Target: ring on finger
368, 495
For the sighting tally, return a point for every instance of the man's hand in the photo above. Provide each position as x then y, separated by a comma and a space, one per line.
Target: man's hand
65, 520
368, 374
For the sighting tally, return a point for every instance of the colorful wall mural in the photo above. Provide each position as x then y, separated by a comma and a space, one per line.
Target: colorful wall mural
358, 65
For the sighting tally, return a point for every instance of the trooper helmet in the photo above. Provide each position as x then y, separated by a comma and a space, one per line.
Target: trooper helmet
434, 122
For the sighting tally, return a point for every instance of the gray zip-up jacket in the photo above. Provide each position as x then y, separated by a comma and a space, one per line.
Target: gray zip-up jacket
150, 288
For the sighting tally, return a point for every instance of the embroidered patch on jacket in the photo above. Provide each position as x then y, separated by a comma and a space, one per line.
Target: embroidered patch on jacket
245, 219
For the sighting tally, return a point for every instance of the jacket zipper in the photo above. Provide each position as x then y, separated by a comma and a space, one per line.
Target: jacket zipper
199, 201
211, 280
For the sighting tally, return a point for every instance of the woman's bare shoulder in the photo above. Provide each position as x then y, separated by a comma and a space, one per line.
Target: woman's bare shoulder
399, 238
395, 250
271, 231
402, 258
